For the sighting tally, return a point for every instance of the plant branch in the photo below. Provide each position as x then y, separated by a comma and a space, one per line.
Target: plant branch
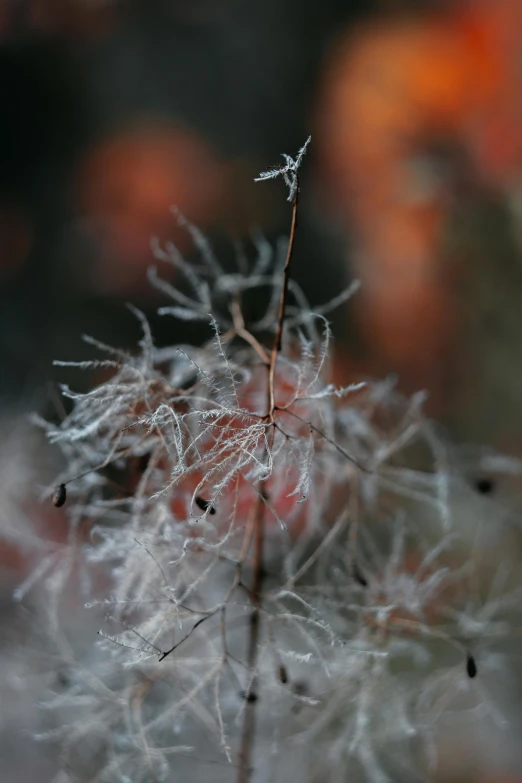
281, 317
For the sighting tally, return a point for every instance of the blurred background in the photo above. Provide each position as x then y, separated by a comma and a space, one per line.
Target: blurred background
114, 110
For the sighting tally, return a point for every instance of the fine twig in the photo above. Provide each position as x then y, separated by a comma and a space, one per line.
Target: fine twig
281, 317
290, 173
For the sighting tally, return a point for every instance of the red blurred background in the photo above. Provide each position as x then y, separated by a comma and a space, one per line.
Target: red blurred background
114, 111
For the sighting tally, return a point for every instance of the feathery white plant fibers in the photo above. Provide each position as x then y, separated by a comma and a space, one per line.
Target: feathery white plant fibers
385, 601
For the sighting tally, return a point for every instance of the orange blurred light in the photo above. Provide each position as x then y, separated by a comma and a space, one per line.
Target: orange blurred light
126, 187
392, 90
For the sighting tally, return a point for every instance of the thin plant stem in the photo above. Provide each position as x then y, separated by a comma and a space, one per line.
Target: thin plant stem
247, 738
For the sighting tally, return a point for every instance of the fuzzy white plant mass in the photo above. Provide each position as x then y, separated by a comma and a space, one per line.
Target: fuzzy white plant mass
283, 583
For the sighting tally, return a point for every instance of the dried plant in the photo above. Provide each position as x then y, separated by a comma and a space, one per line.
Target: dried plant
286, 583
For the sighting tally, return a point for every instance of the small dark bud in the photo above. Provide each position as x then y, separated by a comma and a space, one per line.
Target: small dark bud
59, 495
250, 698
471, 666
143, 462
485, 486
283, 674
359, 576
63, 678
300, 688
204, 505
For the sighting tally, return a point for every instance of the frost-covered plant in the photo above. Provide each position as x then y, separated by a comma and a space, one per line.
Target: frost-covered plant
278, 566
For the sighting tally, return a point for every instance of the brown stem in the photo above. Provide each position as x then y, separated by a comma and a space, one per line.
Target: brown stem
247, 739
281, 317
245, 754
240, 331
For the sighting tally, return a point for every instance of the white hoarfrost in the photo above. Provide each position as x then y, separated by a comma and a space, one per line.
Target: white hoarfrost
385, 609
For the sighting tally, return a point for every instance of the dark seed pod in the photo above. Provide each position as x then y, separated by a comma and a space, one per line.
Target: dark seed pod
63, 677
204, 505
471, 666
59, 495
359, 576
142, 462
283, 674
250, 698
485, 486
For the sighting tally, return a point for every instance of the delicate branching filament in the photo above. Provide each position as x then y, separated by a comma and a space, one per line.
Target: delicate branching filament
268, 557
